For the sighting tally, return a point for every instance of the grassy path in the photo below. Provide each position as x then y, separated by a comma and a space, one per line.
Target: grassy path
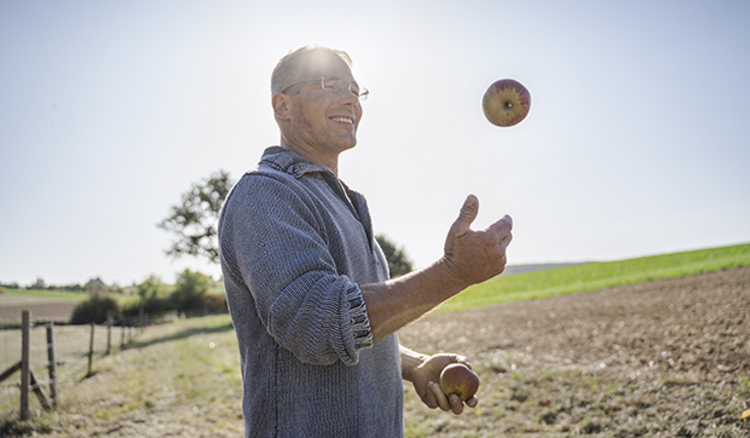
178, 379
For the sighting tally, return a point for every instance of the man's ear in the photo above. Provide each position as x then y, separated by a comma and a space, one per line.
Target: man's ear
281, 106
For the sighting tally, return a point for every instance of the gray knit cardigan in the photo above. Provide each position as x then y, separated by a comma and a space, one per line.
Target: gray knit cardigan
295, 243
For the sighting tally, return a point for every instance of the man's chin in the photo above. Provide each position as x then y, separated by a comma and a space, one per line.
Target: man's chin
349, 144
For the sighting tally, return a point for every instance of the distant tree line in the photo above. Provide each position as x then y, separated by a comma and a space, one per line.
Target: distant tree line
94, 285
189, 295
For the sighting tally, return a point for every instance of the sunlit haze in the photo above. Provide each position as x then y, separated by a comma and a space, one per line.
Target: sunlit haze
637, 142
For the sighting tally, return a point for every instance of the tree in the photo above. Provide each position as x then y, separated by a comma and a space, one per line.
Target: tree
150, 288
95, 285
152, 293
98, 308
13, 285
194, 220
190, 290
39, 284
398, 262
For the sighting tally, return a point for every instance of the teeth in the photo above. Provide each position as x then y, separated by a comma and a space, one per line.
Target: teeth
342, 120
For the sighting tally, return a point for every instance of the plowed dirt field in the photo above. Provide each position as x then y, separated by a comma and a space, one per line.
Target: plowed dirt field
667, 358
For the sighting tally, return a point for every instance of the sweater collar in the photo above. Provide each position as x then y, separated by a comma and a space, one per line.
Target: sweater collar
287, 161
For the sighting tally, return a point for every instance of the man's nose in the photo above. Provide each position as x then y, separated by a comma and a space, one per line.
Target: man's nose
347, 96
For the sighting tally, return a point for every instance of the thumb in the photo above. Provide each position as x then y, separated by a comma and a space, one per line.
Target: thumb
467, 215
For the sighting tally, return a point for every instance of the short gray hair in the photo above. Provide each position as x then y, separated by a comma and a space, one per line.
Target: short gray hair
285, 72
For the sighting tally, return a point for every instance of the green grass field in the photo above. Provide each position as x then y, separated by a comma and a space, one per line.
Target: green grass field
52, 294
63, 295
123, 299
593, 276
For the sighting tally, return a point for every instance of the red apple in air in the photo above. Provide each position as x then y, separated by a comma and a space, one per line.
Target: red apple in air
506, 102
458, 378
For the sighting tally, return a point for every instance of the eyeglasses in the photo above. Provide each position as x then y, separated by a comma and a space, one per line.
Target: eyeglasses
335, 85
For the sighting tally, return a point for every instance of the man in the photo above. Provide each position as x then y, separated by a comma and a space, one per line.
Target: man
307, 285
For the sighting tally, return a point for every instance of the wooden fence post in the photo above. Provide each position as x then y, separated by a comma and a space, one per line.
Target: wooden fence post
52, 365
25, 324
109, 336
141, 320
91, 348
122, 333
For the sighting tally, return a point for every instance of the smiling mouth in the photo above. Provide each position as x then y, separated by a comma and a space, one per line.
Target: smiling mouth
346, 120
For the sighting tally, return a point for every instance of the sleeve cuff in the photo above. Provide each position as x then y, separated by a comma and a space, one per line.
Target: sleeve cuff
360, 321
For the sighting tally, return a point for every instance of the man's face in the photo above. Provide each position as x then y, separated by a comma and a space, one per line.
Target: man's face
324, 121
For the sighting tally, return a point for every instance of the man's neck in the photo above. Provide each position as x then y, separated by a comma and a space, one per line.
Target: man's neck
314, 156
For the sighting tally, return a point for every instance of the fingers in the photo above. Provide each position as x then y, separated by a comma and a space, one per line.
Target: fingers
469, 210
433, 396
428, 398
442, 400
502, 228
467, 215
457, 405
501, 233
451, 403
464, 360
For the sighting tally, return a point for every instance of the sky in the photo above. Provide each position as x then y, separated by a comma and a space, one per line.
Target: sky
637, 142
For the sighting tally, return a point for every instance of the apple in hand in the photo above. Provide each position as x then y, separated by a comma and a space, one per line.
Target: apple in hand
458, 378
506, 102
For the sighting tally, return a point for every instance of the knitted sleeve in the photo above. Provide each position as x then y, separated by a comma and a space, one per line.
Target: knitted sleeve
274, 238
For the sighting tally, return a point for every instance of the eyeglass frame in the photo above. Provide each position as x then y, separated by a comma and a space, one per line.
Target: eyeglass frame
361, 95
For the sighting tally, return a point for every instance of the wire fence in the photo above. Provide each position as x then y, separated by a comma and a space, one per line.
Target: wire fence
48, 360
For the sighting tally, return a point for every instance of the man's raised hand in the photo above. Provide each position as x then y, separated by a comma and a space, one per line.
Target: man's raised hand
476, 256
